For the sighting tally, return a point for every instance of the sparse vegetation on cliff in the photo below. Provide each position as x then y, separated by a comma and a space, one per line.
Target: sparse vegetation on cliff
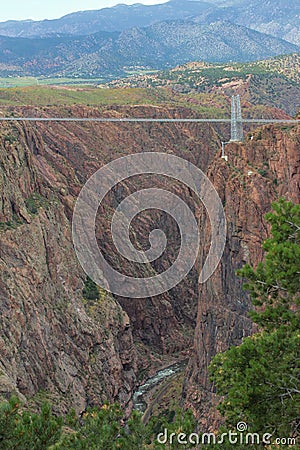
90, 290
36, 201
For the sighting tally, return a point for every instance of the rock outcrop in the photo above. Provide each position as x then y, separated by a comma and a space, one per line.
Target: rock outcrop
52, 344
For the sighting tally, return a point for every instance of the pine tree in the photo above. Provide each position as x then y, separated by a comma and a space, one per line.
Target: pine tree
260, 379
275, 283
20, 429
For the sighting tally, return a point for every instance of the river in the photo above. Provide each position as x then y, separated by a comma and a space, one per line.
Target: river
138, 397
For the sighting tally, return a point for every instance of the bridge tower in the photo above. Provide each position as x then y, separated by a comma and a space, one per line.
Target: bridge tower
236, 124
236, 120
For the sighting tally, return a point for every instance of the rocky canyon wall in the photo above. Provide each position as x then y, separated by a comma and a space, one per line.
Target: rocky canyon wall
259, 171
54, 343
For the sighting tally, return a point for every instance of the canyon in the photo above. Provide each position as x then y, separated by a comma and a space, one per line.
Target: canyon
77, 353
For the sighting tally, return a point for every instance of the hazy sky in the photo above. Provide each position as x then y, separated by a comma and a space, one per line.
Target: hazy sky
51, 9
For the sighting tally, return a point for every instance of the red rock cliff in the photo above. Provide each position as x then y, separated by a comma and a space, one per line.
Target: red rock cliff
259, 171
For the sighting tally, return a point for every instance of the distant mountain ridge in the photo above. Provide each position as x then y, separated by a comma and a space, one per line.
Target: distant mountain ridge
279, 18
162, 45
117, 18
112, 41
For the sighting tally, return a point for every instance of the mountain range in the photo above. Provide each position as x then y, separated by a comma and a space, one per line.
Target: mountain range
111, 41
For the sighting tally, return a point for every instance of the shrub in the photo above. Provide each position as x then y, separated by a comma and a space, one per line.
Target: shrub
90, 290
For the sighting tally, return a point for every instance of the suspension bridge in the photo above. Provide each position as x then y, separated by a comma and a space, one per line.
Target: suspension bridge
236, 120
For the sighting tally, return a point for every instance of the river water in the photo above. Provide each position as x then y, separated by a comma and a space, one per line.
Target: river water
138, 397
